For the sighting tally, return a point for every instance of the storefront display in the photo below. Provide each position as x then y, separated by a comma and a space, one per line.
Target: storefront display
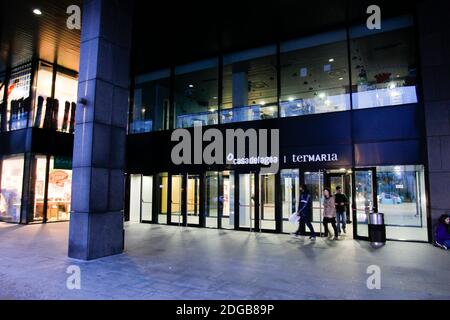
11, 188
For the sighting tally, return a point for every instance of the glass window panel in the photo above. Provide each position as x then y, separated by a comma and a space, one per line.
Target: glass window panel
37, 182
11, 188
364, 200
401, 197
18, 103
59, 192
66, 88
151, 103
384, 67
250, 85
196, 94
314, 75
43, 103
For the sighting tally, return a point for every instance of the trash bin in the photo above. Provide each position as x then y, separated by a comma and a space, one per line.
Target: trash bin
377, 230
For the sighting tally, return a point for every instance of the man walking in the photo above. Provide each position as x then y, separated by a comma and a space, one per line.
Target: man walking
341, 205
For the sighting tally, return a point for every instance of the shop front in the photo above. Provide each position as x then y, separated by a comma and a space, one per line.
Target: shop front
378, 170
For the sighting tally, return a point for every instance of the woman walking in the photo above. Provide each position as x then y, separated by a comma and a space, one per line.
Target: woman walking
329, 212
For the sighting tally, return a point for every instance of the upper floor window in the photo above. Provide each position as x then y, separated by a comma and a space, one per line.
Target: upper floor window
314, 75
151, 106
383, 64
196, 99
18, 104
250, 85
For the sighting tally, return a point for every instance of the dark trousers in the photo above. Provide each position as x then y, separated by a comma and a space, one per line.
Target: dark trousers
304, 220
333, 224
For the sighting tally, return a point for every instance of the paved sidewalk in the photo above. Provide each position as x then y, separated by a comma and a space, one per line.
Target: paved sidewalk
165, 262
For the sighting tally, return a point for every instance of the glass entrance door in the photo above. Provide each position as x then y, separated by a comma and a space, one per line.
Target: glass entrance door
247, 194
147, 199
266, 214
176, 201
227, 200
193, 199
364, 193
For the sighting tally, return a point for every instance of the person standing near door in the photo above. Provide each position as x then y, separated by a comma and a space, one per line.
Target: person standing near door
341, 201
304, 211
329, 212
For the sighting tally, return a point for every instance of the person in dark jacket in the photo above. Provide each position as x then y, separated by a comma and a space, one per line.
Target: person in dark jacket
304, 211
442, 232
341, 205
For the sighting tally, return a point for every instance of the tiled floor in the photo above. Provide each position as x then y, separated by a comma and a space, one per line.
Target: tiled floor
165, 262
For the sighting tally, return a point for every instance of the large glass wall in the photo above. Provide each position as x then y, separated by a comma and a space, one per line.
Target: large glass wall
38, 183
314, 75
384, 65
11, 188
196, 94
250, 85
151, 108
52, 105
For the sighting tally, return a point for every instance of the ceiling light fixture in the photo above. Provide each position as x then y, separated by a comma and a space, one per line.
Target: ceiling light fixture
331, 60
37, 12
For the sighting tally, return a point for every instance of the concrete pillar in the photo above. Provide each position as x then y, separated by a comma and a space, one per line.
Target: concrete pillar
96, 224
433, 25
240, 85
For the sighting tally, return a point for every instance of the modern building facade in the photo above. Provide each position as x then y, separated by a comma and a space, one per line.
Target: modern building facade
353, 107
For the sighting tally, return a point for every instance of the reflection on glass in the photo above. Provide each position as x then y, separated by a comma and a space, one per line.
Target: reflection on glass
250, 85
177, 198
314, 75
384, 66
147, 198
11, 188
267, 202
212, 199
151, 103
163, 191
290, 191
2, 94
196, 94
135, 197
227, 199
193, 199
401, 197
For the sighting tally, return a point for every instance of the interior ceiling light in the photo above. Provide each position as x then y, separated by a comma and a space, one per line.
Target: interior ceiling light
37, 12
331, 60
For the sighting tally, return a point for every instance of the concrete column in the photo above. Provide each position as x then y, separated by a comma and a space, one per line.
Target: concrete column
96, 224
434, 43
240, 85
